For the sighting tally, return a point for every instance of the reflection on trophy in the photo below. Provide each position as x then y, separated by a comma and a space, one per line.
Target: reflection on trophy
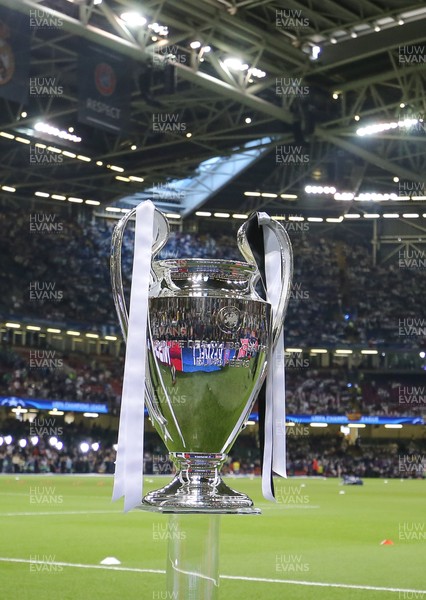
209, 337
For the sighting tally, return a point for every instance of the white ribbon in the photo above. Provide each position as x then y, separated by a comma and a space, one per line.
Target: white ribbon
128, 479
274, 453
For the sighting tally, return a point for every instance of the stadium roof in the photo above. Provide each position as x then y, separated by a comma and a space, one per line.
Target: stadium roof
208, 77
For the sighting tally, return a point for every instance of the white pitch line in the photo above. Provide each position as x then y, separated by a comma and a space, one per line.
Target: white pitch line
81, 566
323, 584
235, 577
61, 512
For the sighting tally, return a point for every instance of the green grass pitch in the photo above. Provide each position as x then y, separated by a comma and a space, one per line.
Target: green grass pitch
315, 534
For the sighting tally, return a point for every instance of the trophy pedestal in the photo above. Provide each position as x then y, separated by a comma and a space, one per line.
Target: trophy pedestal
198, 488
193, 557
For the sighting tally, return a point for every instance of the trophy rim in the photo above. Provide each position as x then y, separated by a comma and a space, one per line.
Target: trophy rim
238, 264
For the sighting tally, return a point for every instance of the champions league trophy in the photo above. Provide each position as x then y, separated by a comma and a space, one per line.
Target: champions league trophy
209, 338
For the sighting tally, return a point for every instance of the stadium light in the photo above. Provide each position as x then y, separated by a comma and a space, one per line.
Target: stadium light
319, 189
133, 19
54, 131
59, 445
34, 440
314, 424
393, 426
8, 439
315, 52
235, 64
95, 446
22, 443
84, 447
344, 196
53, 441
392, 125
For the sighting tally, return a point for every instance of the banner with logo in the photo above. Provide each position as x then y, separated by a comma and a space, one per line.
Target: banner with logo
14, 55
104, 88
344, 420
43, 404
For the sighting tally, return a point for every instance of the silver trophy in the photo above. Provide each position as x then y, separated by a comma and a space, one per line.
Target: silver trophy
209, 339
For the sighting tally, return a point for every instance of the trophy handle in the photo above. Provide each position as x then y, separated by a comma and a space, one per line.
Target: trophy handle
253, 252
161, 237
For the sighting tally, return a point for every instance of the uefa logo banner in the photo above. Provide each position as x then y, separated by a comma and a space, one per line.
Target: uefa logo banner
104, 89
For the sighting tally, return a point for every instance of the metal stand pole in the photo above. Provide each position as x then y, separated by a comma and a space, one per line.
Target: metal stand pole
193, 557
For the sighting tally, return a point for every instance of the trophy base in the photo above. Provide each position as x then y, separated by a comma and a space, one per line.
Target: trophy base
198, 488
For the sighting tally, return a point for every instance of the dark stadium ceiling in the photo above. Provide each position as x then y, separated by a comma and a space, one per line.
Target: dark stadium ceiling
370, 54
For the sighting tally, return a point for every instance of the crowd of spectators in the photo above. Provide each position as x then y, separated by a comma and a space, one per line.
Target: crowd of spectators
338, 296
93, 451
76, 378
346, 299
334, 456
98, 379
339, 391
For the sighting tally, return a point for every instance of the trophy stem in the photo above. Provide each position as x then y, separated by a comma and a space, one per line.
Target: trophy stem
193, 557
198, 487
